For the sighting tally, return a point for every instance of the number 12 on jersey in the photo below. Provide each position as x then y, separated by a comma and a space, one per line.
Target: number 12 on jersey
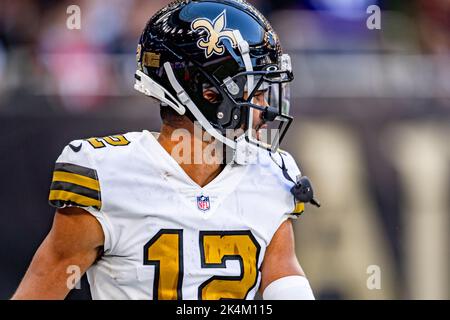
165, 252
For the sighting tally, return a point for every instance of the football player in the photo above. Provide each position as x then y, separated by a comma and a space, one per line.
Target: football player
146, 222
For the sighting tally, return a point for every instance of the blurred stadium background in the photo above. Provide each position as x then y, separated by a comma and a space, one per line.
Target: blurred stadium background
372, 129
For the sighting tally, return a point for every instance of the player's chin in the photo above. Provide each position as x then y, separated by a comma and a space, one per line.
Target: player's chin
260, 130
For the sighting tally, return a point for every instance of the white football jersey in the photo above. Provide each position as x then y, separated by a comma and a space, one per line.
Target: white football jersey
165, 236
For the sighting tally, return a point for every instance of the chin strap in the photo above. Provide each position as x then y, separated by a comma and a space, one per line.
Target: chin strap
150, 88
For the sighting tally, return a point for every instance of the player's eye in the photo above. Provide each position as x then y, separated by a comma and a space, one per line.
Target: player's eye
260, 93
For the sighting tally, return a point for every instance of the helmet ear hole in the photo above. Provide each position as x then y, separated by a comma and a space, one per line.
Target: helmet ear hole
212, 96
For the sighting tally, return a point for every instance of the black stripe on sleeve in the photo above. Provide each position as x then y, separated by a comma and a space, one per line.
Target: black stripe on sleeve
73, 168
83, 191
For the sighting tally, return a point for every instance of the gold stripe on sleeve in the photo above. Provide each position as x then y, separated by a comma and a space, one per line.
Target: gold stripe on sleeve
299, 207
76, 179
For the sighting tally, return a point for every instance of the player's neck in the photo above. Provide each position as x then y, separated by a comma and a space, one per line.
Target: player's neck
190, 155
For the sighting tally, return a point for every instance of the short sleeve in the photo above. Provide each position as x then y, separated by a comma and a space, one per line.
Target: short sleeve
75, 183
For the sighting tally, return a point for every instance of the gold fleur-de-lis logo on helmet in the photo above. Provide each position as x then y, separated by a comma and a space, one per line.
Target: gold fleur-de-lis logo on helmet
217, 31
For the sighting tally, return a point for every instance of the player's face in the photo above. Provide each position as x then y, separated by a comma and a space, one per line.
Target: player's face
260, 100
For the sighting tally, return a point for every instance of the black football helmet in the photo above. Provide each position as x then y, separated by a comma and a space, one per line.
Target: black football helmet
222, 45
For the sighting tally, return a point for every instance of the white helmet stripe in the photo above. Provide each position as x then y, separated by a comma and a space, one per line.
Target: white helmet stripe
244, 48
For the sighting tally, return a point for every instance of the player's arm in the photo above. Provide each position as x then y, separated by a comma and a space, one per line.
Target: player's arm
76, 238
281, 274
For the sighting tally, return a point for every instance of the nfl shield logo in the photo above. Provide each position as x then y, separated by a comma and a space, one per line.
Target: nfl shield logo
203, 203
